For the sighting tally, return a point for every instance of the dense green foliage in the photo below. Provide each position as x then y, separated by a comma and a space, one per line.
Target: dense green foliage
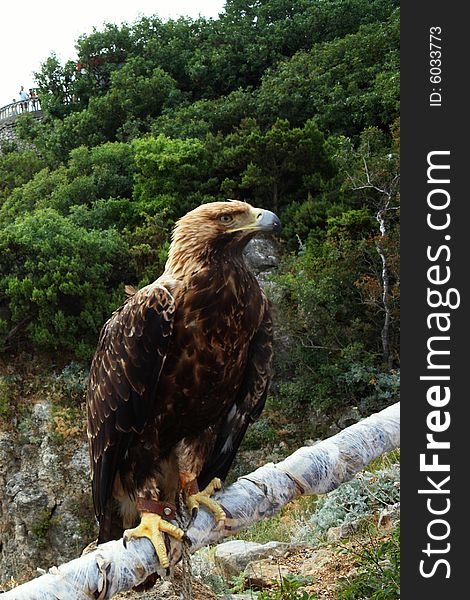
292, 106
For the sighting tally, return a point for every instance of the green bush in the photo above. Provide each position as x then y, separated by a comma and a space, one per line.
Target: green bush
40, 529
377, 576
60, 278
173, 175
74, 380
367, 493
17, 167
103, 172
345, 84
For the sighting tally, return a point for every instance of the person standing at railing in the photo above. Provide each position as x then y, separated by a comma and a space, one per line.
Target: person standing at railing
33, 98
23, 99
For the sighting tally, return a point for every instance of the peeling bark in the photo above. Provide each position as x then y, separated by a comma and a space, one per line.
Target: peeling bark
317, 469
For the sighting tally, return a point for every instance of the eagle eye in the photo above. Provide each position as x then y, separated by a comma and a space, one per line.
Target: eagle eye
226, 218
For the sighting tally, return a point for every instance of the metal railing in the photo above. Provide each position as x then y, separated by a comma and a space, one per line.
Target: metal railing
18, 108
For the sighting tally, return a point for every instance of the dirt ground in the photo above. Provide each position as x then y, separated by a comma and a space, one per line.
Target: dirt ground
322, 566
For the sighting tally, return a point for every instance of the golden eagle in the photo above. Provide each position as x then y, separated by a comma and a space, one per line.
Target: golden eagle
181, 369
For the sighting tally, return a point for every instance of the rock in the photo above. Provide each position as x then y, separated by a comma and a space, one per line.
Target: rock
315, 564
261, 256
344, 419
310, 442
309, 564
41, 416
390, 514
7, 459
264, 573
171, 590
349, 417
233, 557
345, 530
46, 513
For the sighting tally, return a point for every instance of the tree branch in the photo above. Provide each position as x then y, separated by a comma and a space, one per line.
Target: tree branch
317, 469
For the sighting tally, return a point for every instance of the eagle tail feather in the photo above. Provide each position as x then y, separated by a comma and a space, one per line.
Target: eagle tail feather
111, 527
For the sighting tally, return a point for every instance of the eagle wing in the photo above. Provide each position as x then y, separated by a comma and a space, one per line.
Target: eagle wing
124, 374
248, 405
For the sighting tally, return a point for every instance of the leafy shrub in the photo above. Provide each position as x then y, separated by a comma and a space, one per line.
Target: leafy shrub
74, 379
17, 168
331, 357
356, 499
60, 278
91, 174
377, 576
172, 174
320, 82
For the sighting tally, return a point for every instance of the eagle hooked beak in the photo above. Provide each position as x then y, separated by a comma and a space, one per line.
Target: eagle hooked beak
267, 221
262, 220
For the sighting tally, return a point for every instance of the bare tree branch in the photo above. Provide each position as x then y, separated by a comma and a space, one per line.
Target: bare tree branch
310, 470
382, 207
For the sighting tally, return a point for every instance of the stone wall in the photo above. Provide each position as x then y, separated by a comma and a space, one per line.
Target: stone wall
8, 129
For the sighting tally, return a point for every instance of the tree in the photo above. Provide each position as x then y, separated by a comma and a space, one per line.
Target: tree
124, 111
373, 172
58, 88
280, 59
329, 357
274, 167
60, 278
218, 115
102, 172
172, 174
100, 54
142, 91
17, 168
345, 84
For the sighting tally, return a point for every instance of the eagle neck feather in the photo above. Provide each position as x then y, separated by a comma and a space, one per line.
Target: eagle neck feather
189, 254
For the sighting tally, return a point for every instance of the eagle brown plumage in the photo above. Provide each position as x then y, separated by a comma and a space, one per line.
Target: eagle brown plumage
180, 371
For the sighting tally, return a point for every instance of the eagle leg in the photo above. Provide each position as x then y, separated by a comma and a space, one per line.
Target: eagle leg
153, 526
203, 497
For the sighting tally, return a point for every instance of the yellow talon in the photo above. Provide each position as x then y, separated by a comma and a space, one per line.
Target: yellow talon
153, 527
203, 497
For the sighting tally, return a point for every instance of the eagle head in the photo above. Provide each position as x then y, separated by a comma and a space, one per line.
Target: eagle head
218, 228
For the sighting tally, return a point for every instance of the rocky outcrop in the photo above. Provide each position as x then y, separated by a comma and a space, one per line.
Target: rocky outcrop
262, 256
46, 516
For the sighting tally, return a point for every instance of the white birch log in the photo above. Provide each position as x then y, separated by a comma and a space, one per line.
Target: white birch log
317, 469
